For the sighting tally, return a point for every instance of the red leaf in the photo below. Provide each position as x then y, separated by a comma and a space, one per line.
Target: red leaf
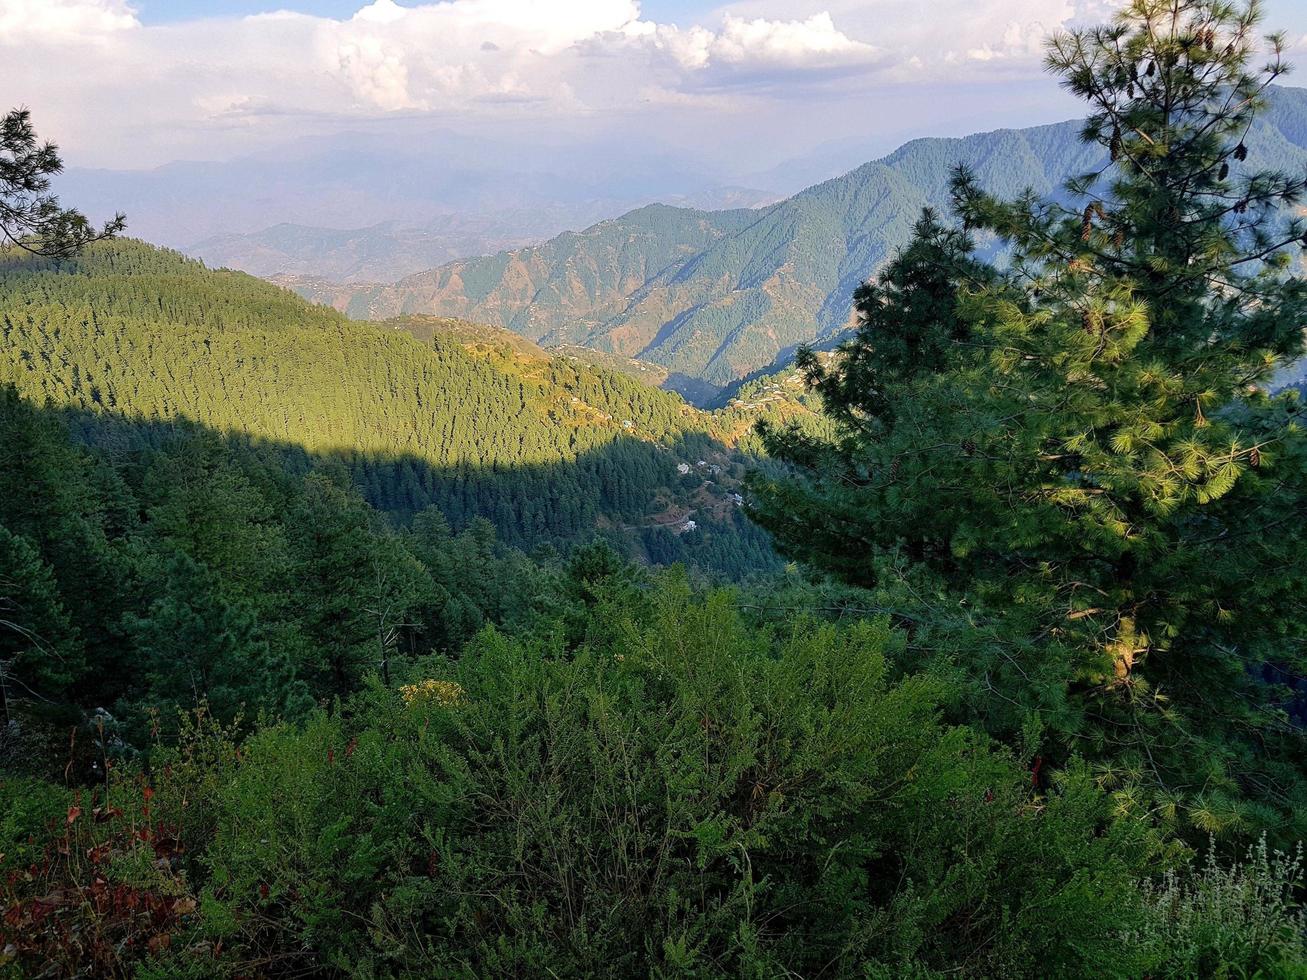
148, 793
263, 891
74, 812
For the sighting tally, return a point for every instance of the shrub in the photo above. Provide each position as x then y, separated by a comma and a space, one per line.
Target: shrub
685, 795
1240, 919
105, 889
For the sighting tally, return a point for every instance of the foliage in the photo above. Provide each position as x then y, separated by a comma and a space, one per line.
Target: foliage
32, 807
37, 643
30, 216
1068, 472
1240, 919
684, 793
544, 448
201, 572
302, 706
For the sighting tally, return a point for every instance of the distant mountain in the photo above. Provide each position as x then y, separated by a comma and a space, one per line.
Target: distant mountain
382, 252
560, 292
392, 250
373, 206
716, 296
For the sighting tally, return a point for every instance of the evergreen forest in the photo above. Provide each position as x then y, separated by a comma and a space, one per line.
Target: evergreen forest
970, 643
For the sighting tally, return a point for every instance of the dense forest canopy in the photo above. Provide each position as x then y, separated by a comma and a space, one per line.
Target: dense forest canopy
136, 341
341, 649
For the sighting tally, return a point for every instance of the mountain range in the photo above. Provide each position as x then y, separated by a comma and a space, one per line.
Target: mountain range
714, 296
379, 205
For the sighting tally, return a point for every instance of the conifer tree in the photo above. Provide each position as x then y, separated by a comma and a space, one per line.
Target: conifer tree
196, 647
1071, 469
30, 216
39, 656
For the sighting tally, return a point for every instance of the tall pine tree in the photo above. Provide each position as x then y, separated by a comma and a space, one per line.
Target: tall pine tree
1070, 469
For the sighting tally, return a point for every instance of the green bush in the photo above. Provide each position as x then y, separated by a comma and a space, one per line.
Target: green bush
29, 808
684, 795
687, 792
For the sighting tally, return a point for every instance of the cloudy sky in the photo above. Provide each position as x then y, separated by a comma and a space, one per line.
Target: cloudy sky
137, 83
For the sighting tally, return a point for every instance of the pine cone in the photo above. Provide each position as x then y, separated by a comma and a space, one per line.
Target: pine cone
1241, 152
1223, 172
968, 446
1255, 458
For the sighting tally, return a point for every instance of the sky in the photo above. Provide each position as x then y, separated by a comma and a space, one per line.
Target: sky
739, 87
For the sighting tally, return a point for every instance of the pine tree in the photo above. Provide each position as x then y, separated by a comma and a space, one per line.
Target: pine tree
197, 647
39, 653
30, 216
1069, 474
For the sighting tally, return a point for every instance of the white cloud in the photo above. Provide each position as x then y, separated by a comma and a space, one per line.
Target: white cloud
62, 20
752, 42
377, 72
112, 87
938, 38
117, 91
788, 42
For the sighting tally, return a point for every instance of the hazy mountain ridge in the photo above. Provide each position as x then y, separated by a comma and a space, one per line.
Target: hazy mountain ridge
719, 295
391, 250
376, 206
556, 293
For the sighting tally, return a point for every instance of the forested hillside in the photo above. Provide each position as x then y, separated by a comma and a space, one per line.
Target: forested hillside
134, 342
412, 648
718, 295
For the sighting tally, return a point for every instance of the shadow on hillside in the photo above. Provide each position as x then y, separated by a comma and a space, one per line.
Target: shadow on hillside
696, 391
626, 488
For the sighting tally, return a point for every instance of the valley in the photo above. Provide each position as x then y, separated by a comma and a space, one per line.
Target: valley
458, 520
712, 296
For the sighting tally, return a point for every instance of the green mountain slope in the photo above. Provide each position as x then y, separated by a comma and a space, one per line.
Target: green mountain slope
555, 293
137, 341
718, 295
